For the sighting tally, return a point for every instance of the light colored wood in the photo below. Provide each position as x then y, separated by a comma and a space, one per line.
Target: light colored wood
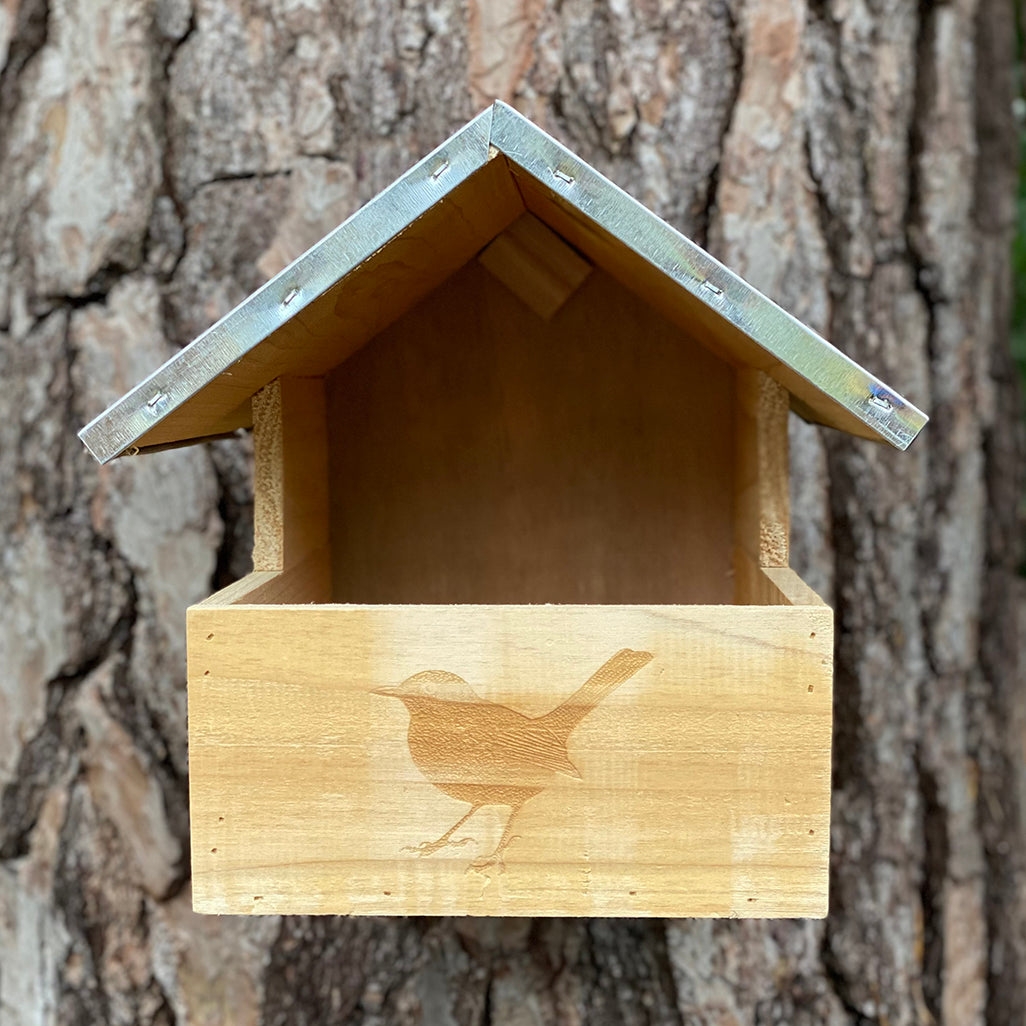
751, 584
216, 425
771, 421
246, 590
683, 768
792, 587
771, 586
290, 488
479, 454
762, 502
308, 581
381, 289
721, 337
268, 480
535, 264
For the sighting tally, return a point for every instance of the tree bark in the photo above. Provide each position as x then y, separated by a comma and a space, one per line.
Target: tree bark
854, 160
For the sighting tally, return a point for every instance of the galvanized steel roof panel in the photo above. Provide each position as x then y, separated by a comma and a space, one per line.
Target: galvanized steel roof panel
826, 384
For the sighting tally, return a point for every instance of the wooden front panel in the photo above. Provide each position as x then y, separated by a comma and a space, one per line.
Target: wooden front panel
479, 453
670, 761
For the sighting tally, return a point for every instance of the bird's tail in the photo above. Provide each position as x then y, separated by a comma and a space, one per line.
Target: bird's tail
613, 672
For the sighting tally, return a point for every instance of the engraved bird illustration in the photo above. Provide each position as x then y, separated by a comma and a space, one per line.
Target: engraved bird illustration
486, 754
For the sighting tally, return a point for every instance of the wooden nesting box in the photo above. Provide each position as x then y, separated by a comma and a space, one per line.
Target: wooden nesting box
521, 635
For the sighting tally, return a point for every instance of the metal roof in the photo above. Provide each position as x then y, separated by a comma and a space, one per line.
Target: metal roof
424, 226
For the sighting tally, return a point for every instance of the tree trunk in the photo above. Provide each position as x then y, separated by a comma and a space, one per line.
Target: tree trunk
854, 160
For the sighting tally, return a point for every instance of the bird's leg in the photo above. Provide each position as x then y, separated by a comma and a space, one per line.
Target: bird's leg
430, 847
495, 859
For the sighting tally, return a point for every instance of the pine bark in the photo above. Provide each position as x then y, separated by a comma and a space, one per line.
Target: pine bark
854, 160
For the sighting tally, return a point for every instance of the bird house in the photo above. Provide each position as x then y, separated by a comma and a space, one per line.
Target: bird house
521, 636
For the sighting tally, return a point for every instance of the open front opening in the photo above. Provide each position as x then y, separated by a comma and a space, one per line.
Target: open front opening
531, 430
479, 453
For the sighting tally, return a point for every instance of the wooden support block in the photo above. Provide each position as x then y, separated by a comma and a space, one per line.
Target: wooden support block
536, 265
290, 477
510, 760
761, 498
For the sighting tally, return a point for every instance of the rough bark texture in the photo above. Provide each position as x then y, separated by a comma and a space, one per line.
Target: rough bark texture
853, 158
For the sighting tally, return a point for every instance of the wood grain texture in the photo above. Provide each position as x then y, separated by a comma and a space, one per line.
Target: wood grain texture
703, 772
306, 581
793, 589
535, 264
480, 454
268, 480
751, 585
761, 484
290, 488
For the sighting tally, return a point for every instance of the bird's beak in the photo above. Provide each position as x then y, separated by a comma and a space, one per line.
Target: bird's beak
387, 692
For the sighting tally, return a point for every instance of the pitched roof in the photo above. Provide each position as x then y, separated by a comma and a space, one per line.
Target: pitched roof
411, 237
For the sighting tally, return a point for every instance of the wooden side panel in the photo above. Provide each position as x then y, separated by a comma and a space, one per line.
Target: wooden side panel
762, 504
480, 454
663, 761
762, 510
268, 480
290, 490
